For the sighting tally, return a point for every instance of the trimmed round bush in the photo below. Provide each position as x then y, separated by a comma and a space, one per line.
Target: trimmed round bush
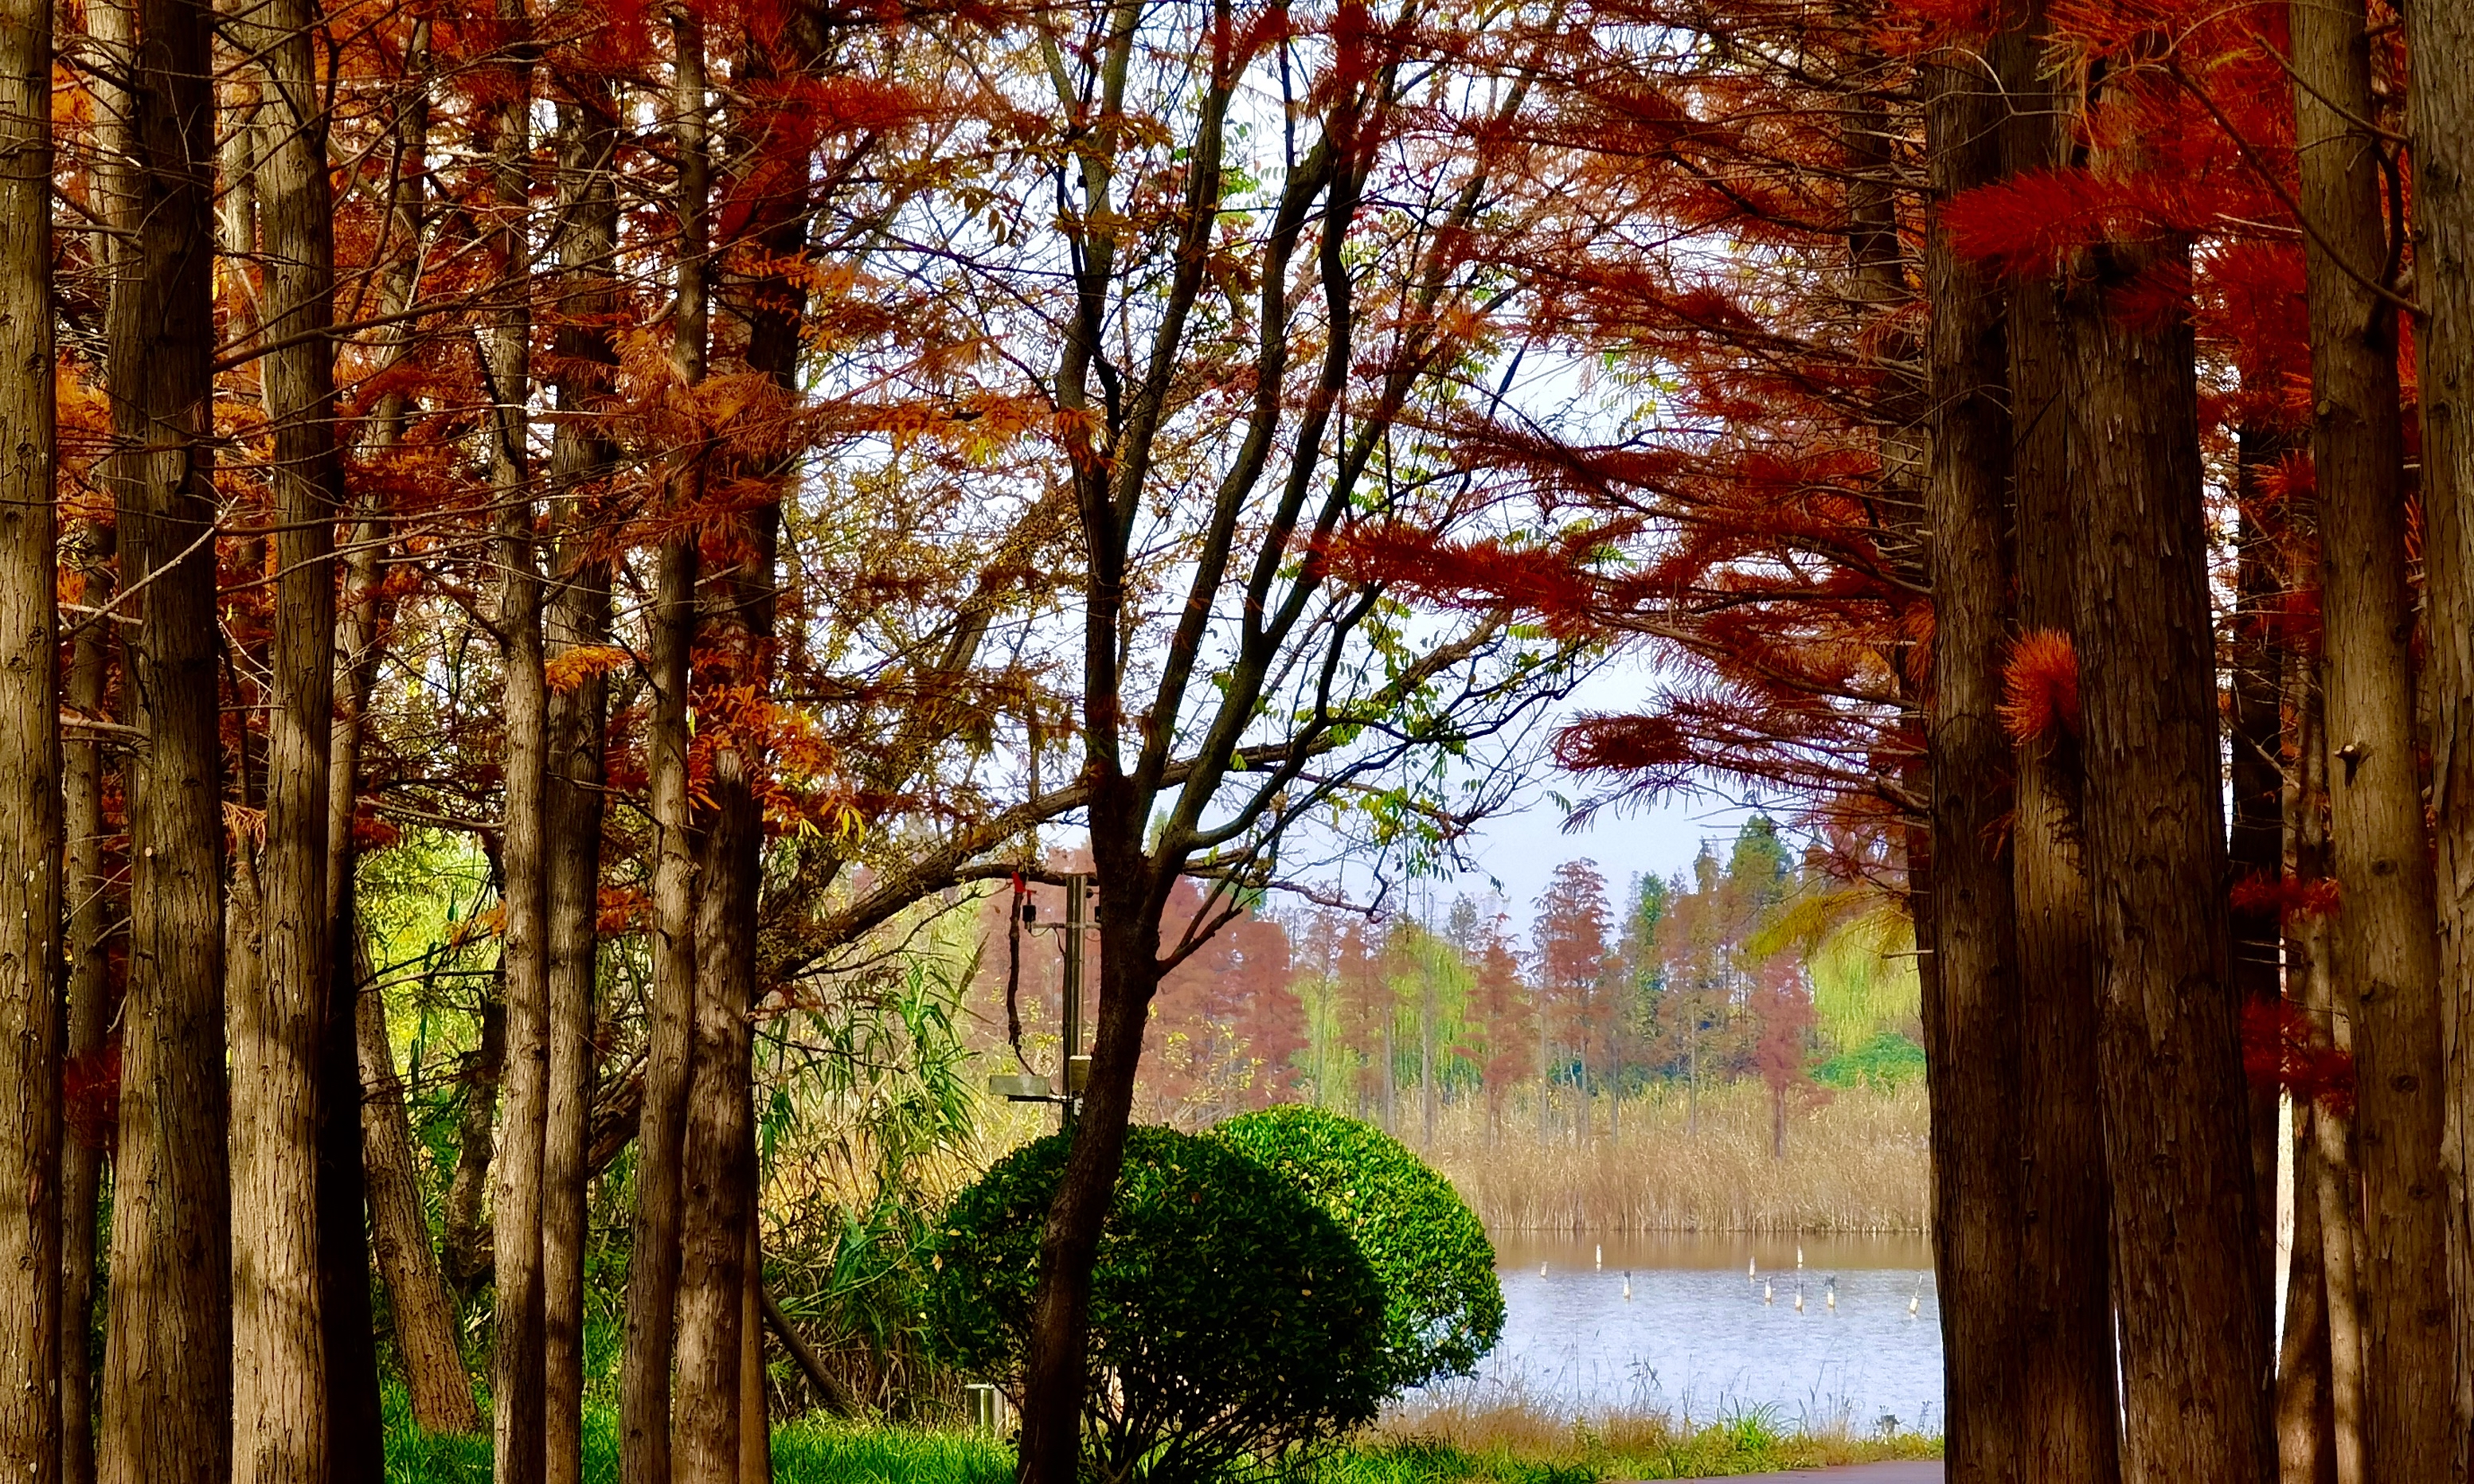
1232, 1319
1445, 1306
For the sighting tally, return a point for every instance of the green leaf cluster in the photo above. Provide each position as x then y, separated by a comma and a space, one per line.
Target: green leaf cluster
1443, 1307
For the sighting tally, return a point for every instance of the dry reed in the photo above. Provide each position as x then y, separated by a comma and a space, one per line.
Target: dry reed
1855, 1163
1638, 1444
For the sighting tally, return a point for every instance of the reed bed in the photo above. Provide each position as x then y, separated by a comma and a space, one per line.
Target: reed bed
1855, 1163
1513, 1441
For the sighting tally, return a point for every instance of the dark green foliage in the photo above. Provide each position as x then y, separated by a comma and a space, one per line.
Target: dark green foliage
1888, 1059
1445, 1308
1233, 1322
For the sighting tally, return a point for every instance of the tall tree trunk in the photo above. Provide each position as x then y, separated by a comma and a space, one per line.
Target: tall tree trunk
755, 1423
516, 1193
280, 1425
2386, 946
2069, 1399
167, 1385
653, 1271
1974, 1062
425, 1320
579, 621
2439, 37
30, 764
2198, 1367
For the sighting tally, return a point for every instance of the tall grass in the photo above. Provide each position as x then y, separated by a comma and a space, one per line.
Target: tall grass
1855, 1163
1521, 1445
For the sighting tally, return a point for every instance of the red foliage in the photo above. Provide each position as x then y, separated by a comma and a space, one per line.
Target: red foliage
2280, 1046
90, 1095
2040, 687
2292, 900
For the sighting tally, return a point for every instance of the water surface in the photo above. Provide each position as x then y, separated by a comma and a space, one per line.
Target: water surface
1696, 1339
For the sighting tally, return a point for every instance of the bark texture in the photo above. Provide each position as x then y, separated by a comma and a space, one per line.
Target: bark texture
578, 621
280, 1424
30, 764
1973, 1063
2196, 1363
2439, 38
2068, 1393
166, 1416
653, 1272
515, 1189
90, 911
2386, 947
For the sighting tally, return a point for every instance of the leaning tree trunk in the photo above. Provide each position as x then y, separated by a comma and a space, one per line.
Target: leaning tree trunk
30, 764
166, 1393
1974, 1067
578, 624
2386, 947
653, 1269
424, 1319
280, 1424
2196, 1362
2068, 1396
2440, 38
2306, 1418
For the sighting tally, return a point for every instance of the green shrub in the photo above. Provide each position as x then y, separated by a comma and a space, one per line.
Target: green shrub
1445, 1308
1233, 1322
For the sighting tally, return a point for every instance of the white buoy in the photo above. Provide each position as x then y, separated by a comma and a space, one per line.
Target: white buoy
1627, 1288
1542, 1270
1767, 1296
1602, 1257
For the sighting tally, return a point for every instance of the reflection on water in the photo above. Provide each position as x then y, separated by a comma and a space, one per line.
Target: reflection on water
1696, 1339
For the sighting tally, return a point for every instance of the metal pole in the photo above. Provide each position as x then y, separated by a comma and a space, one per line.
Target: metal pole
1077, 884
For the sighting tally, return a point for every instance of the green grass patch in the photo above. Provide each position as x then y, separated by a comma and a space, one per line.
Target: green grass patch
1522, 1449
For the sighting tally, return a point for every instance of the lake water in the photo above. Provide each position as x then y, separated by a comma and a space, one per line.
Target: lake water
1697, 1339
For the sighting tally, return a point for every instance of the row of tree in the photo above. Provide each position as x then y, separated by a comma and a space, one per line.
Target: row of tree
731, 473
2047, 428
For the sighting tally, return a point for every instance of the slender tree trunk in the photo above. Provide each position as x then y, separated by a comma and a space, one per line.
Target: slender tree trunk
1051, 1438
30, 764
464, 1219
653, 1272
2439, 37
2306, 1420
2197, 1365
2386, 946
1973, 1063
2255, 846
579, 621
2068, 1395
425, 1320
278, 1338
355, 1423
89, 990
167, 1387
516, 1195
754, 1425
2310, 952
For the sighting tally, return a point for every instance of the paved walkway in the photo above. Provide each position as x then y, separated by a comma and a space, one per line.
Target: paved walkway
1927, 1473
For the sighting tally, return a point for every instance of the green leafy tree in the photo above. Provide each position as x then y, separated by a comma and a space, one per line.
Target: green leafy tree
1233, 1323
